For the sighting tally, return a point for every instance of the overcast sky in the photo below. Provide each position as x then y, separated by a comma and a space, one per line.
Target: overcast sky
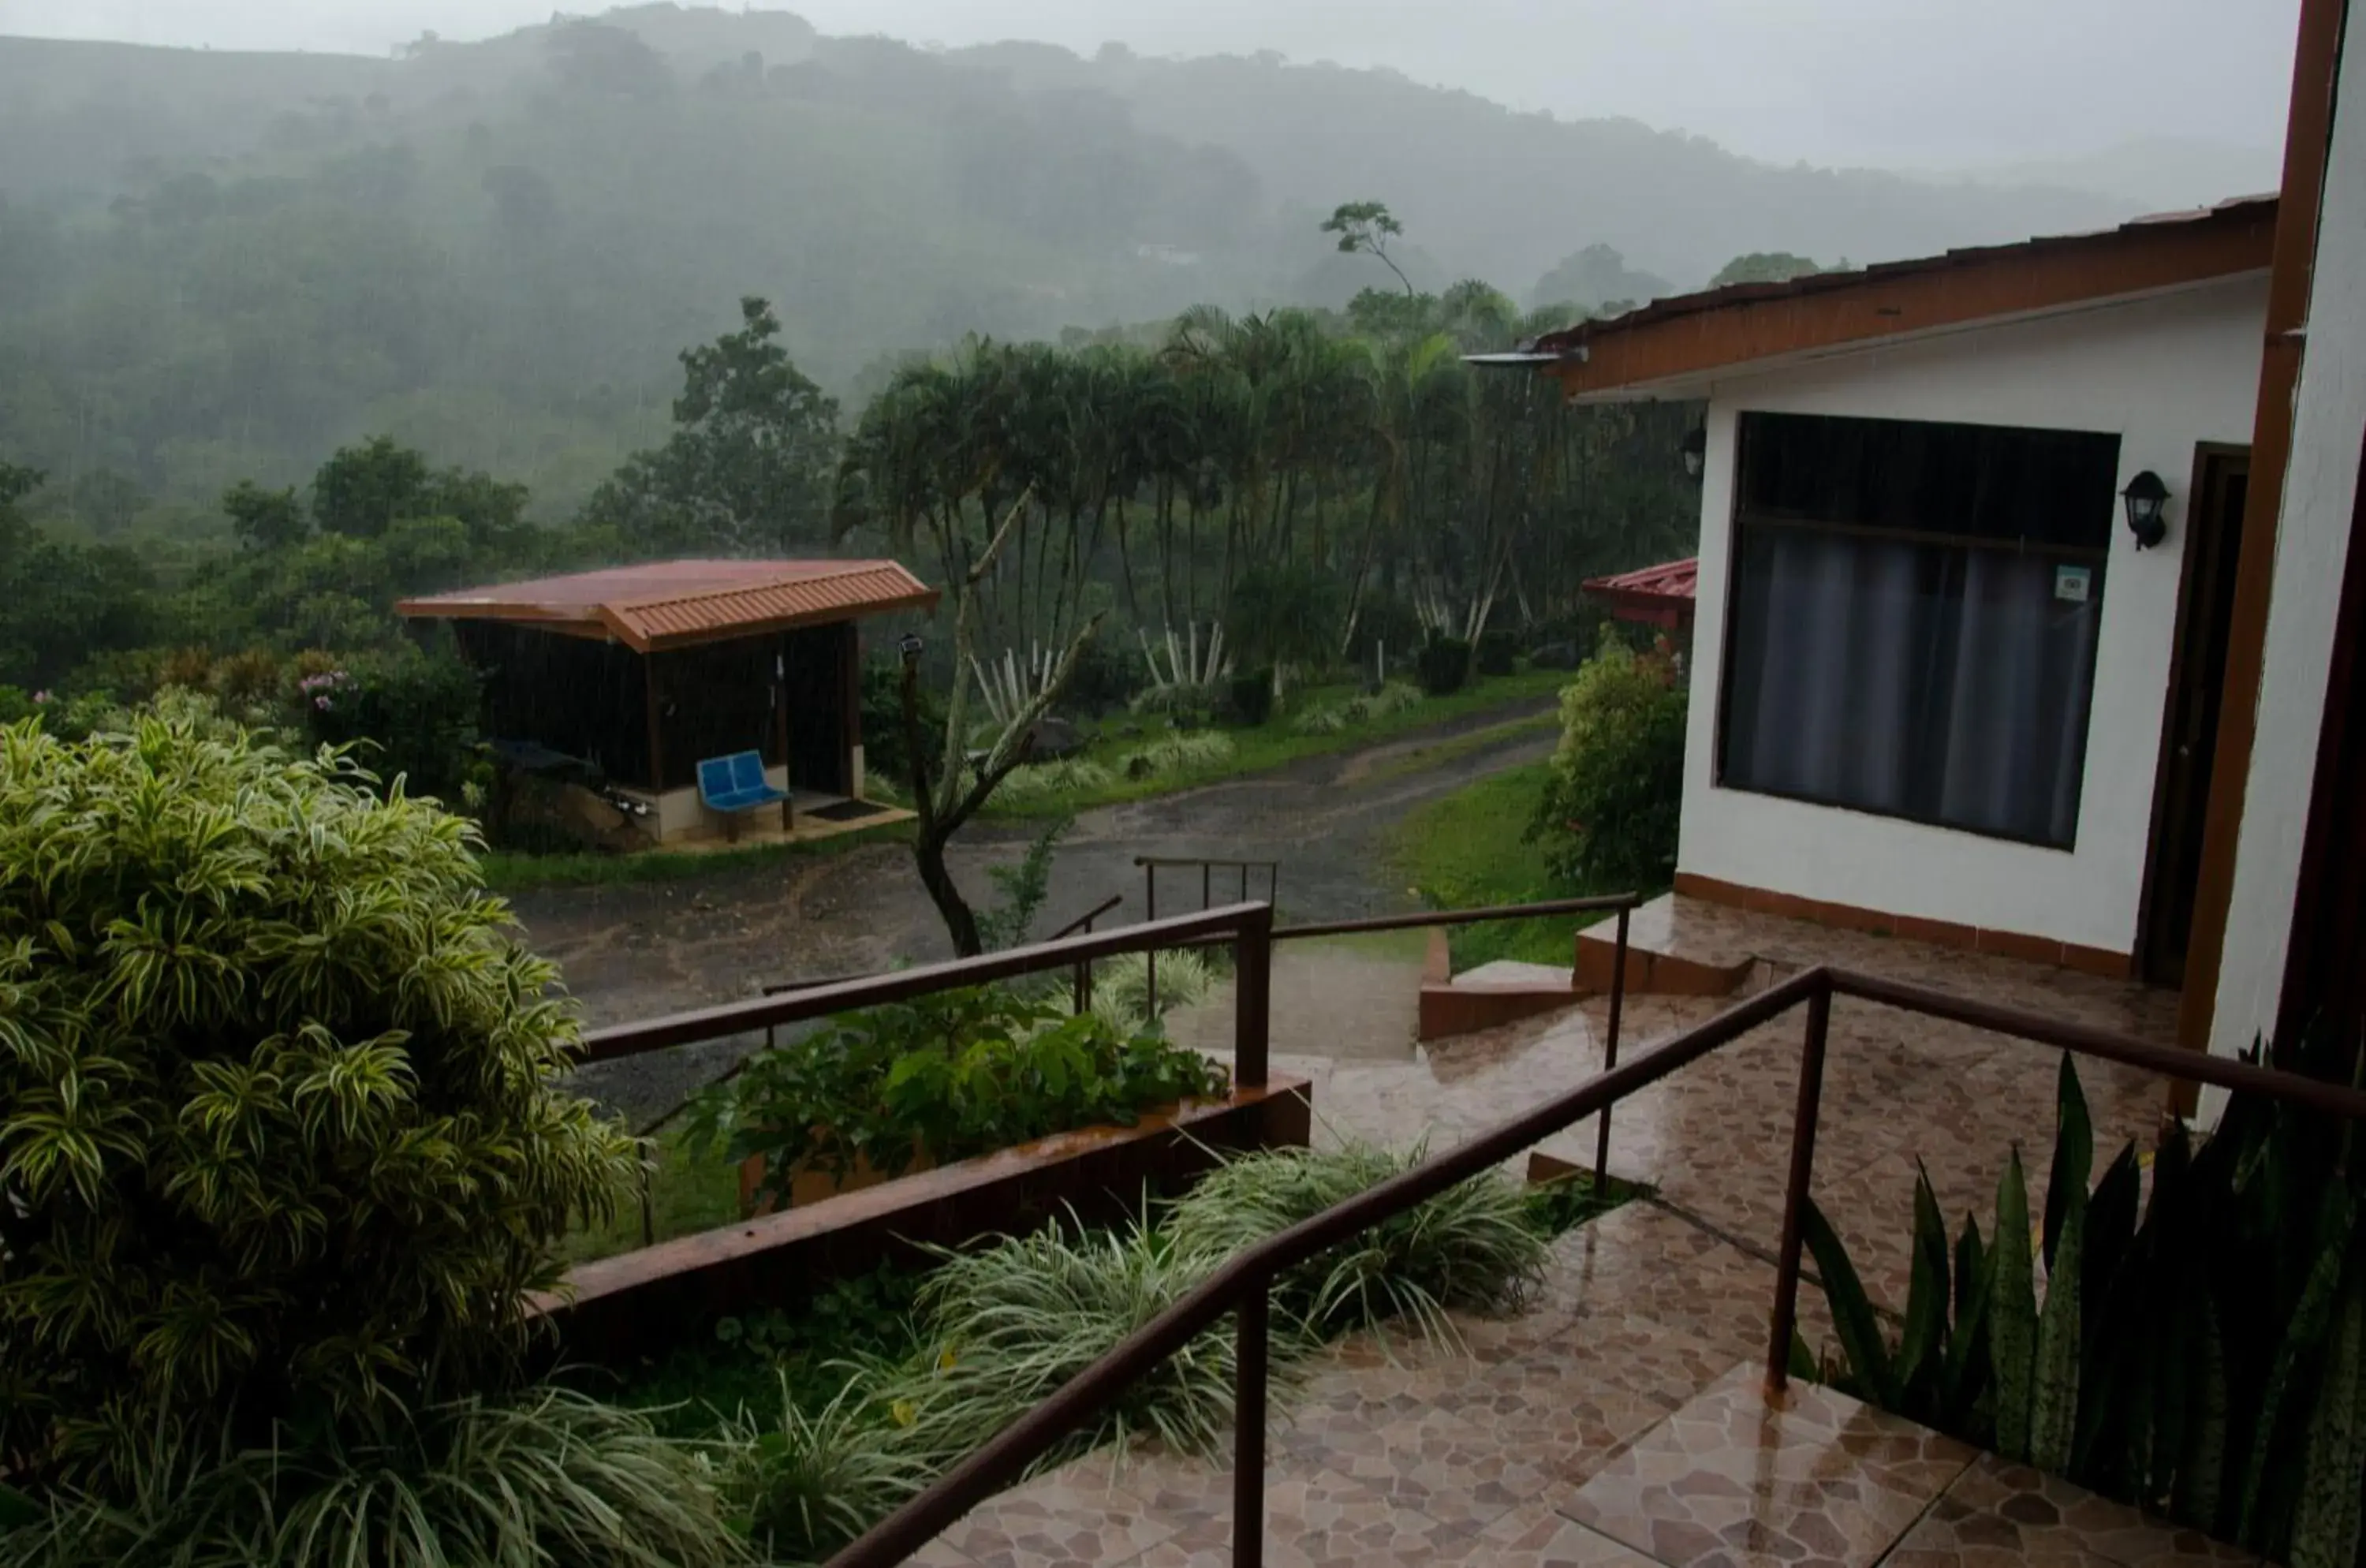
1893, 83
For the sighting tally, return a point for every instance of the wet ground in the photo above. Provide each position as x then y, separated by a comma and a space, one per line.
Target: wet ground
632, 950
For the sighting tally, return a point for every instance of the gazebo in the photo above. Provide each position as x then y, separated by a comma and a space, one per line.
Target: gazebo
617, 684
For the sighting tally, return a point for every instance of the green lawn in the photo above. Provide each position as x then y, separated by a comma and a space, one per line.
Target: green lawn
1470, 849
1275, 744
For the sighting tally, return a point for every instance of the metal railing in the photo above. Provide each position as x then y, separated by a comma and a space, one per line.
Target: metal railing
1240, 1286
1151, 865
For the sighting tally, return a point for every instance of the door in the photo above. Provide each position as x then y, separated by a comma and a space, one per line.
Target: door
2190, 735
815, 687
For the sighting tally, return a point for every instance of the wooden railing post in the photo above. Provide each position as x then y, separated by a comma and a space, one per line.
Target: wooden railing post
1150, 955
1249, 1425
1610, 1059
1253, 997
1795, 1197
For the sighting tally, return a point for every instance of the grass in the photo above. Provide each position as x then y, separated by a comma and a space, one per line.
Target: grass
507, 871
1470, 848
1451, 748
1277, 743
689, 1191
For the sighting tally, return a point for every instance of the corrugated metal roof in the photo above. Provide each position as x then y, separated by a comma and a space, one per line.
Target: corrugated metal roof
678, 604
2237, 213
1658, 595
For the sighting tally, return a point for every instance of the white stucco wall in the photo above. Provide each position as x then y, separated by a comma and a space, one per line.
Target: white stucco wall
2164, 374
2313, 539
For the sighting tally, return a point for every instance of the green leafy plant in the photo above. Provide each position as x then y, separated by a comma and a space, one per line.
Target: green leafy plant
808, 1481
406, 713
1177, 753
1609, 815
550, 1477
1569, 1202
948, 1076
1252, 695
1008, 1324
1497, 654
281, 1138
1053, 781
1023, 887
1122, 987
2199, 1351
1473, 1246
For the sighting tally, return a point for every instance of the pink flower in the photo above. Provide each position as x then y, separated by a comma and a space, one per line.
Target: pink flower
41, 697
320, 703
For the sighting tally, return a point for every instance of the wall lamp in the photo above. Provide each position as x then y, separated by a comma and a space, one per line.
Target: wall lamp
2148, 503
1695, 450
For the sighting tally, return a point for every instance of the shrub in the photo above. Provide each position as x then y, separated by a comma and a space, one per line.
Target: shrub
1122, 987
548, 1478
1473, 1246
1007, 1326
1444, 665
1252, 696
2200, 1351
951, 1075
806, 1484
1184, 700
1023, 887
408, 713
1177, 753
1498, 652
1609, 815
884, 755
1328, 719
279, 1134
1394, 697
1041, 782
1107, 676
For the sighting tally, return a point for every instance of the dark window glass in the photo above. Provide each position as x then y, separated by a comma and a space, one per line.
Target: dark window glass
1914, 618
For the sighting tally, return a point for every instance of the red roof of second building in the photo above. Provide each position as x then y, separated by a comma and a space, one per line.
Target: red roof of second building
1657, 596
676, 604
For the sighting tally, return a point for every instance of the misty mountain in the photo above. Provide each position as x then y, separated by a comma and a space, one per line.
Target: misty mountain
2157, 174
219, 264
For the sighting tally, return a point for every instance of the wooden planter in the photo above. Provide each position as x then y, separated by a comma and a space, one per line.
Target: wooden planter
808, 1187
622, 1309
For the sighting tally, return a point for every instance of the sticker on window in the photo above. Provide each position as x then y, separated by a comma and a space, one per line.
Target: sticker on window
2071, 583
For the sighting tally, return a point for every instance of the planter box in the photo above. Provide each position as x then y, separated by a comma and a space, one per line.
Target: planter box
622, 1308
808, 1187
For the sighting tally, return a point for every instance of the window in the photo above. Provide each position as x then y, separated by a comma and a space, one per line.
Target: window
1913, 618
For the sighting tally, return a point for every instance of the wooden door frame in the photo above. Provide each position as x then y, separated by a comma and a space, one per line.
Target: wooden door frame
2205, 453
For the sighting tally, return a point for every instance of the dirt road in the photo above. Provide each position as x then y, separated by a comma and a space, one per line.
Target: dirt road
639, 950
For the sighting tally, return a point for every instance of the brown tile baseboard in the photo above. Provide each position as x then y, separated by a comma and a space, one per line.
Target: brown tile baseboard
2100, 961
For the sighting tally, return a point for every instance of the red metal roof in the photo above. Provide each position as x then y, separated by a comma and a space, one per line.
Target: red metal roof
679, 603
1657, 596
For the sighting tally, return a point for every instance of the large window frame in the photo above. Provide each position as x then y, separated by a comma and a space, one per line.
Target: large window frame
2056, 510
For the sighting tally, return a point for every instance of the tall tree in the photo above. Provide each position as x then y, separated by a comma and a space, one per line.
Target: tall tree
1368, 226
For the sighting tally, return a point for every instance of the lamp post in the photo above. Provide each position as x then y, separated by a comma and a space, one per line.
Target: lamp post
2147, 502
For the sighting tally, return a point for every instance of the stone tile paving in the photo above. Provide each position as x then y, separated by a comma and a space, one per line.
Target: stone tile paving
1559, 1434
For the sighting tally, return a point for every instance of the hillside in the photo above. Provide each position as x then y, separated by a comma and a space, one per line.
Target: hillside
219, 264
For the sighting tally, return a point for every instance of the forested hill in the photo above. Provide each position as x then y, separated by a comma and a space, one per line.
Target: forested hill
219, 265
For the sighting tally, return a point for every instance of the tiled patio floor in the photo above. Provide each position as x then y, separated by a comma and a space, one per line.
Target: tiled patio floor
1617, 1420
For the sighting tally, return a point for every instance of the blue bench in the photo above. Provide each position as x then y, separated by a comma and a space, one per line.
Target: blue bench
735, 784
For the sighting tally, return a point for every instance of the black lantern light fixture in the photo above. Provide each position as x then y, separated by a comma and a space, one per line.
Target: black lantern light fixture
909, 646
2148, 503
1695, 450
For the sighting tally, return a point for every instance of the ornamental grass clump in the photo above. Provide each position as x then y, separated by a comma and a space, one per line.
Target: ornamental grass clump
1471, 1247
808, 1484
1007, 1325
544, 1480
281, 1143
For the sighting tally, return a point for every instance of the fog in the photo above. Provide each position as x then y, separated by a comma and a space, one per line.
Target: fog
1894, 83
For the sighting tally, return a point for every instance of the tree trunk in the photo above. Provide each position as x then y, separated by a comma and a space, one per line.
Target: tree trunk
929, 855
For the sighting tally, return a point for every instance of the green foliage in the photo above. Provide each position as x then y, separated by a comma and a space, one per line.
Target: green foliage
1470, 849
949, 1076
1063, 780
1563, 1204
1444, 665
1286, 613
1122, 987
1189, 751
2201, 1358
747, 466
1023, 887
1006, 1325
279, 1132
406, 713
1252, 696
548, 1477
1471, 1247
808, 1484
1609, 818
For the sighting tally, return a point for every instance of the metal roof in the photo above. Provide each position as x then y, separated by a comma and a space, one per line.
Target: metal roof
2027, 276
1660, 595
678, 604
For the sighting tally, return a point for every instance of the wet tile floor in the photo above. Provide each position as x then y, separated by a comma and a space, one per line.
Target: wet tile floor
1619, 1419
